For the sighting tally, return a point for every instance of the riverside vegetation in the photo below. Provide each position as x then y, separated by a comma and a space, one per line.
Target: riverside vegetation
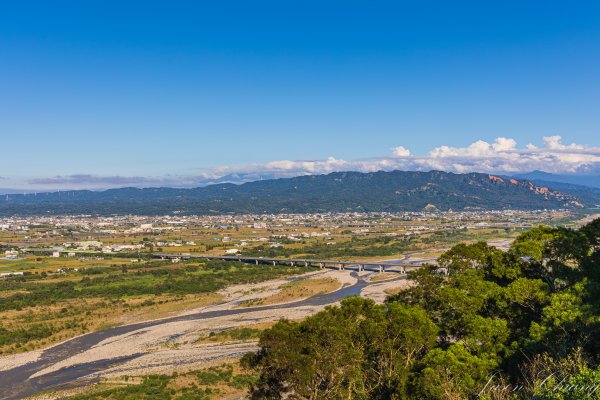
205, 384
39, 309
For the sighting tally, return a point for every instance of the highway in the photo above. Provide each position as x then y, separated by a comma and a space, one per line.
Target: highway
400, 266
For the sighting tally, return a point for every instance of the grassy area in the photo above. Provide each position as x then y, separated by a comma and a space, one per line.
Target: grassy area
35, 327
382, 276
40, 309
232, 335
296, 290
394, 291
205, 384
247, 333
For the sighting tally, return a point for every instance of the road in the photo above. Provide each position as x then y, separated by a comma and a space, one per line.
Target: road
17, 383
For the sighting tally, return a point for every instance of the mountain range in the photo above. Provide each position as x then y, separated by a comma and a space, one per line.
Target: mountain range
335, 192
590, 180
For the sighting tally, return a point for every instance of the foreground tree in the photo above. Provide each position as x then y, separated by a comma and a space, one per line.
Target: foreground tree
486, 330
357, 350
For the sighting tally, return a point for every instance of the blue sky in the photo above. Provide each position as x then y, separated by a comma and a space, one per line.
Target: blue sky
111, 93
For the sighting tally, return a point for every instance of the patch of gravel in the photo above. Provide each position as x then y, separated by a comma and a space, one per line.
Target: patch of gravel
17, 360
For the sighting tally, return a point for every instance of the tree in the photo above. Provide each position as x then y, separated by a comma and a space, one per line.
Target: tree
358, 350
592, 231
315, 359
470, 256
451, 374
394, 344
531, 244
564, 323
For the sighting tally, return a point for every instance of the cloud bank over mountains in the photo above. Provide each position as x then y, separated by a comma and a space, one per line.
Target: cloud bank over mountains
503, 156
95, 181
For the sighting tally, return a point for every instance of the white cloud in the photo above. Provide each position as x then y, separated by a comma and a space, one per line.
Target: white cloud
479, 148
504, 144
330, 164
401, 151
554, 143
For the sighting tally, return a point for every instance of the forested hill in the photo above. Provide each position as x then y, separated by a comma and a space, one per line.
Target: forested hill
335, 192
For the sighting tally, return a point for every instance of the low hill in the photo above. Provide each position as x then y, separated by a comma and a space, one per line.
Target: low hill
335, 192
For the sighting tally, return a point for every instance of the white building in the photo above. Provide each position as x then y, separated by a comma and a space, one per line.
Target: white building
7, 274
11, 253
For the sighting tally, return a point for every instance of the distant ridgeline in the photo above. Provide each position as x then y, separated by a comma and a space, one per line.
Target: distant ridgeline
335, 192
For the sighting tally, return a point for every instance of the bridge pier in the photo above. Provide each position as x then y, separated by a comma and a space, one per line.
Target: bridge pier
341, 267
321, 265
403, 270
256, 262
381, 268
306, 263
274, 263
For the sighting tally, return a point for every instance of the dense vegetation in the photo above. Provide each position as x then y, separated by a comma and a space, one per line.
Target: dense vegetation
336, 192
502, 325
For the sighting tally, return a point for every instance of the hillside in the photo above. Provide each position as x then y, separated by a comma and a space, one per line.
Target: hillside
335, 192
590, 180
586, 194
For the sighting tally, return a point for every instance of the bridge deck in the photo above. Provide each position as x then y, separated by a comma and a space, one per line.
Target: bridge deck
307, 261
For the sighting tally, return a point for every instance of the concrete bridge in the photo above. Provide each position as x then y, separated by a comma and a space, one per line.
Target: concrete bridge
400, 266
